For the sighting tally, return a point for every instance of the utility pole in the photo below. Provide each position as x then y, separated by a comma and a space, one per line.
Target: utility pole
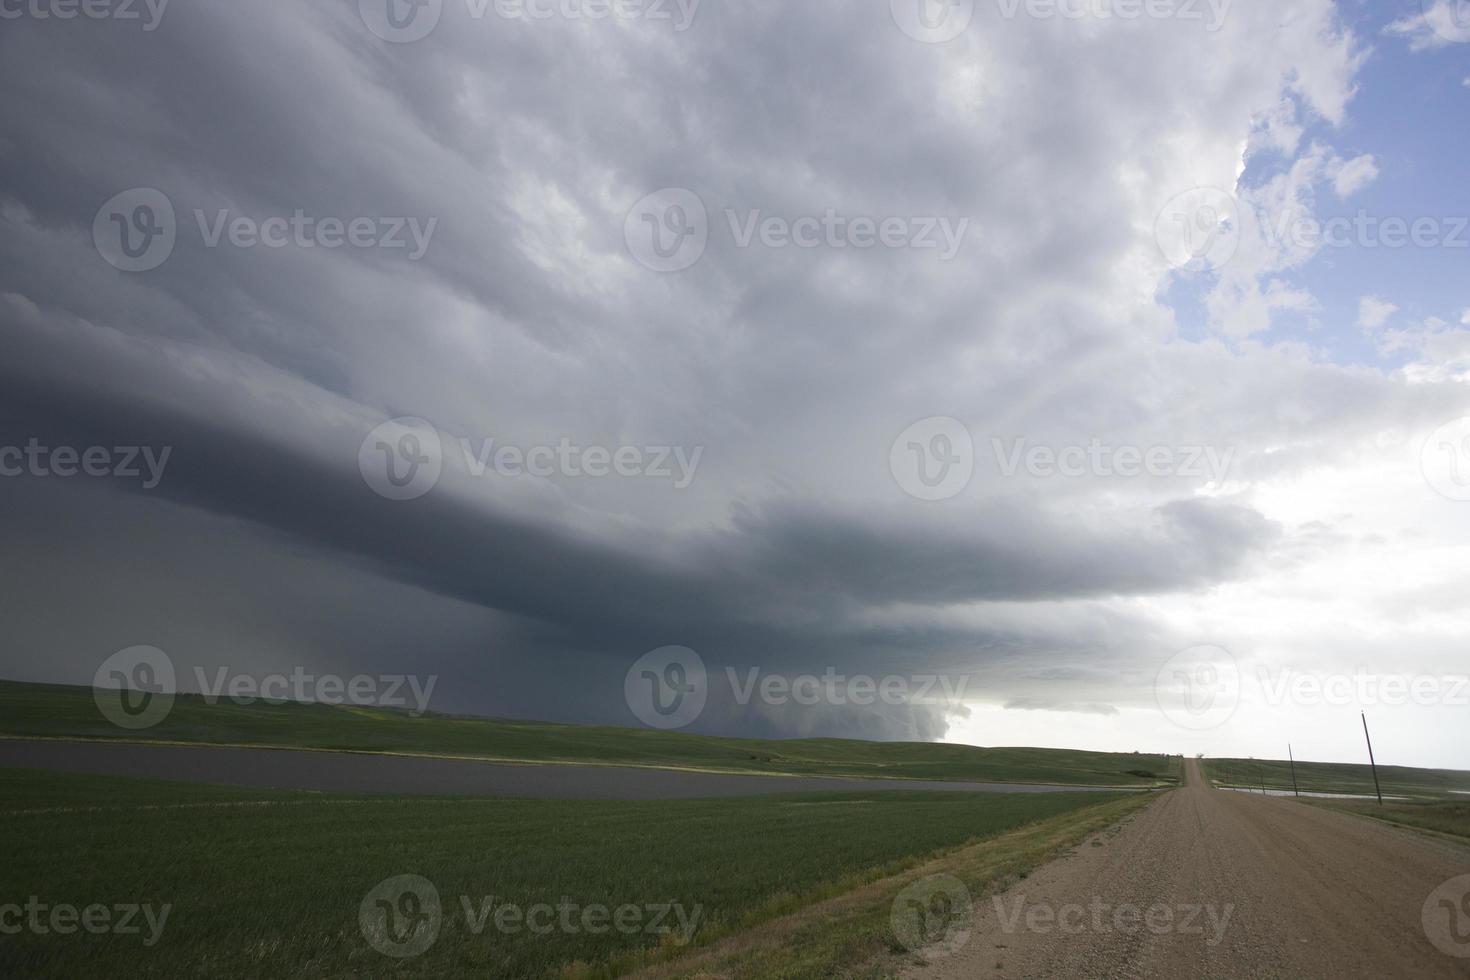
1376, 788
1292, 759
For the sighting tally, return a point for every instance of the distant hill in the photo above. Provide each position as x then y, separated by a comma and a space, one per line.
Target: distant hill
1336, 777
56, 711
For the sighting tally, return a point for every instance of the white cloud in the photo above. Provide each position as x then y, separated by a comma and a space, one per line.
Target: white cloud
1445, 23
1373, 312
1351, 176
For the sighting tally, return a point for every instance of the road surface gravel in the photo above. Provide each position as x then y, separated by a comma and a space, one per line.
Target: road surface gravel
1207, 883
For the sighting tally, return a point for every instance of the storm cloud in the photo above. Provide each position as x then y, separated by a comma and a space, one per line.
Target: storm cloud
528, 320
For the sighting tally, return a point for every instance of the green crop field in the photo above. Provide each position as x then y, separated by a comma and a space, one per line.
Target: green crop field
51, 711
268, 884
1332, 777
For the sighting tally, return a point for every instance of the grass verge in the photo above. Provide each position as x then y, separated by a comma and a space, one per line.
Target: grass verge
1442, 817
851, 935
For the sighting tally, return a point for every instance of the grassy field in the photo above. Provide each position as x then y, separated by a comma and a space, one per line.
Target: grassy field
1331, 777
263, 883
1444, 817
43, 710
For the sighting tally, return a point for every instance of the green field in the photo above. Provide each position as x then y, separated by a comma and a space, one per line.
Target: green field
264, 883
1332, 777
1443, 817
51, 711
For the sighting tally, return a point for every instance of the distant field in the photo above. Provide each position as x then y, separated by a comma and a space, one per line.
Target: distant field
43, 710
1332, 777
269, 884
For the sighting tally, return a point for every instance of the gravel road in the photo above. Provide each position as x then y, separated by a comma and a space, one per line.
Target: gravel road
1206, 883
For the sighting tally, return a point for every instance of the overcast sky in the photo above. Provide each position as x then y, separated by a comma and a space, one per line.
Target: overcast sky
1104, 338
